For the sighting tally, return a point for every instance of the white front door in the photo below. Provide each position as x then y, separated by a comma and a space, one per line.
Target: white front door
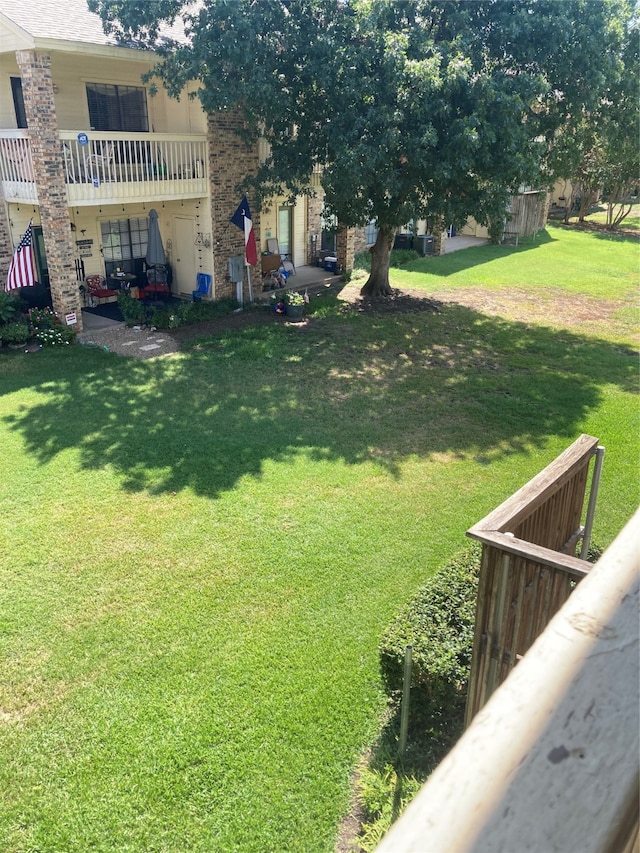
184, 255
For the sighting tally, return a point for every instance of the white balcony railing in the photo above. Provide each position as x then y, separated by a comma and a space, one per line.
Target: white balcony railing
111, 167
16, 167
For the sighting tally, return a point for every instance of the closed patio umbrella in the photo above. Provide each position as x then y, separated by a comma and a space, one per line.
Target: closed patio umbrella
155, 249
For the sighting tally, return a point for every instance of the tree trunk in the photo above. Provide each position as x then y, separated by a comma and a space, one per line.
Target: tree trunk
378, 282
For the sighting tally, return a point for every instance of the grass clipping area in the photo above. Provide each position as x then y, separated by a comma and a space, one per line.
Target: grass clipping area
200, 554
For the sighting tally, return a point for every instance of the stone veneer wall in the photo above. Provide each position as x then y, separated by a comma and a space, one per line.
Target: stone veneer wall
230, 161
39, 104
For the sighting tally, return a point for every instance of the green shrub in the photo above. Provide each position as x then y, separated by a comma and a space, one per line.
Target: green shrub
438, 624
399, 258
167, 317
133, 310
42, 318
384, 795
402, 257
9, 306
55, 336
15, 333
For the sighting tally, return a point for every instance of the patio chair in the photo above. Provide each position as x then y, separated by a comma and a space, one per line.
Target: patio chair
100, 162
285, 261
157, 283
97, 289
204, 283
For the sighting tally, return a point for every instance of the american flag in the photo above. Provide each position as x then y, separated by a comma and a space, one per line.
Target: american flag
21, 269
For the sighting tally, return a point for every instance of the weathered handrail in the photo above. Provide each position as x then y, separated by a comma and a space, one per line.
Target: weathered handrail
551, 761
526, 574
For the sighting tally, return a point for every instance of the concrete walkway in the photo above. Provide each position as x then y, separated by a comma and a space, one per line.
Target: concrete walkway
462, 241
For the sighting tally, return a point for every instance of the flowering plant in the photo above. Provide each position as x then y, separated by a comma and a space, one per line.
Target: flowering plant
57, 336
294, 298
42, 318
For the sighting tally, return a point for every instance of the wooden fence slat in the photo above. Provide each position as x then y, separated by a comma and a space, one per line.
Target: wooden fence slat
525, 576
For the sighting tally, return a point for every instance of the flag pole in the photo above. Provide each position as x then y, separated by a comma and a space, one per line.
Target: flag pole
249, 280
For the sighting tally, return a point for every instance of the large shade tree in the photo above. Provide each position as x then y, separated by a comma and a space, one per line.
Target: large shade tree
435, 109
597, 148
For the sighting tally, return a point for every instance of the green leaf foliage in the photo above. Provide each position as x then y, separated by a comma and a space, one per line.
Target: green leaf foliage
438, 624
416, 109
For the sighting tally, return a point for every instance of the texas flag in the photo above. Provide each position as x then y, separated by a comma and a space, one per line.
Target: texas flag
242, 219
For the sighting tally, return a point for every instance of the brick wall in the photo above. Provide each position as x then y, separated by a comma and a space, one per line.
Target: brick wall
230, 161
345, 245
39, 103
360, 240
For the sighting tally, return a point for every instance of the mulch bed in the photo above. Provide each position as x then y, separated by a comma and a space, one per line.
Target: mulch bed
397, 303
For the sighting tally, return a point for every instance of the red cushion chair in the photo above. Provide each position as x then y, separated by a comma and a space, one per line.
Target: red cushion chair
97, 289
157, 283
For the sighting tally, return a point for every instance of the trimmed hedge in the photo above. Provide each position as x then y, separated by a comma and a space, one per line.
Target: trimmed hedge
173, 314
398, 258
438, 623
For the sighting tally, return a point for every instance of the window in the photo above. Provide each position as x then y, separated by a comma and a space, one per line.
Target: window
124, 244
285, 217
371, 233
117, 107
18, 101
329, 232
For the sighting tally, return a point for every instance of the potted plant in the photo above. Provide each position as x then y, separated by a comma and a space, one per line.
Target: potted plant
15, 334
295, 304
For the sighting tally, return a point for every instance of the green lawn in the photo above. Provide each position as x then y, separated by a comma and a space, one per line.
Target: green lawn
199, 555
594, 264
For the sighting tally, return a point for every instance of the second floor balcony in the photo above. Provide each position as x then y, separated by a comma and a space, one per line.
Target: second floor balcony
110, 167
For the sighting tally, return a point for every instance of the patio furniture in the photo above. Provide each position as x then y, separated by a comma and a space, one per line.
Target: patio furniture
157, 283
204, 283
97, 289
285, 260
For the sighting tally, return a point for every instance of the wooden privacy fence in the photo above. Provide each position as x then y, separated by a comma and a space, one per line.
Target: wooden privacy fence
529, 567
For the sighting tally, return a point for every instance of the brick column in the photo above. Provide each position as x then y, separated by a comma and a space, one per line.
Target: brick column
439, 239
46, 153
345, 244
230, 161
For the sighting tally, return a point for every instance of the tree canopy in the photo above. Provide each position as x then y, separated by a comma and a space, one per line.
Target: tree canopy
435, 109
597, 148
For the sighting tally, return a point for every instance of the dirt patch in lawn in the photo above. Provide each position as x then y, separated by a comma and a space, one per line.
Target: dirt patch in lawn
552, 306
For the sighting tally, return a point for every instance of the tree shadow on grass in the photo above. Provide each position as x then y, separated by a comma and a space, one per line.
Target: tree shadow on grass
344, 386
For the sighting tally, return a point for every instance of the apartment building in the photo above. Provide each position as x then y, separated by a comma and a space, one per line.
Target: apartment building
86, 151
